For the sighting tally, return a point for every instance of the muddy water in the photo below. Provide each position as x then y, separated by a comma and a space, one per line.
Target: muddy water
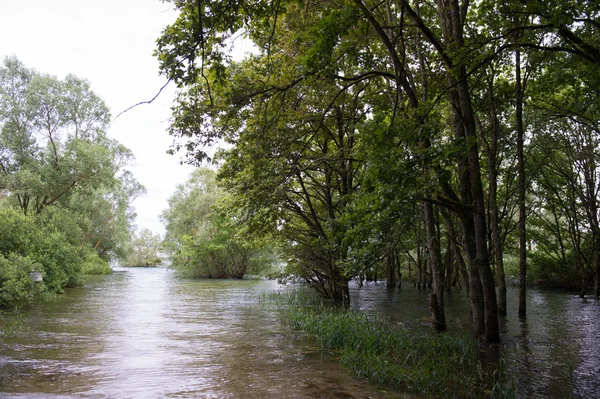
141, 333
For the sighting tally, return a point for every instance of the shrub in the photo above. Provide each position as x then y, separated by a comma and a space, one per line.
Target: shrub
16, 286
28, 242
95, 265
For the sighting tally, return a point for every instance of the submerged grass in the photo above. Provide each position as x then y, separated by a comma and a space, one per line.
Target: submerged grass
11, 322
443, 365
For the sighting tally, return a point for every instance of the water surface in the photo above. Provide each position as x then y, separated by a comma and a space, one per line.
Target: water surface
141, 333
554, 353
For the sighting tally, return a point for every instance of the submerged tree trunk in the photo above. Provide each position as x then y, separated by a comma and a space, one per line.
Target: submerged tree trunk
391, 270
433, 246
474, 223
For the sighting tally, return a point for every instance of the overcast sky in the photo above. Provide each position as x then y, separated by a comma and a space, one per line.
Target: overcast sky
109, 43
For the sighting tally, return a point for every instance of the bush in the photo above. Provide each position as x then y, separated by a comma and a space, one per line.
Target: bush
28, 243
143, 250
551, 271
16, 286
95, 265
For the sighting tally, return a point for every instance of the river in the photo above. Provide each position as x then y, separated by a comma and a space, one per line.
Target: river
142, 333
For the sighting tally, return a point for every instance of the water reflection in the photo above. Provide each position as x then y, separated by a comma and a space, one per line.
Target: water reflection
554, 353
141, 333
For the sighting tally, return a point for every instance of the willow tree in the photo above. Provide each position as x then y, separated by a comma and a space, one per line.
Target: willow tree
55, 153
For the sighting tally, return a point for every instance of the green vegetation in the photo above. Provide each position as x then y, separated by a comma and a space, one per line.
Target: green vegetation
429, 364
65, 195
144, 251
202, 239
428, 141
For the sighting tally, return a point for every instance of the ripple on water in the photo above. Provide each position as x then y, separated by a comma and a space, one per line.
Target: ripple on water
144, 334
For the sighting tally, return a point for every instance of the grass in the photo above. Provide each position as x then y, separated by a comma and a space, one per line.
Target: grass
441, 366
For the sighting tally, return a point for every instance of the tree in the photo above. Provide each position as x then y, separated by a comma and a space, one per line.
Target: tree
53, 139
144, 249
324, 62
202, 239
106, 215
419, 69
65, 177
54, 152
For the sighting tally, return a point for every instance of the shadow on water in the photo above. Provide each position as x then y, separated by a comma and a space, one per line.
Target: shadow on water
554, 353
141, 333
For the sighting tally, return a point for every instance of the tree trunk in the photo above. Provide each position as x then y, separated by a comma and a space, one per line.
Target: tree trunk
493, 201
521, 168
433, 246
420, 268
460, 262
391, 270
399, 268
436, 314
448, 263
464, 128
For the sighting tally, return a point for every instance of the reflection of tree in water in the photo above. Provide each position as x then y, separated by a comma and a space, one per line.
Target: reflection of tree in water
547, 347
585, 378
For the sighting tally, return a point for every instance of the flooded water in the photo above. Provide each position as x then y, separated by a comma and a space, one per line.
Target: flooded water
141, 333
555, 353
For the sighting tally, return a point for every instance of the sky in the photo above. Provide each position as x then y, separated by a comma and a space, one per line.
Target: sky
110, 43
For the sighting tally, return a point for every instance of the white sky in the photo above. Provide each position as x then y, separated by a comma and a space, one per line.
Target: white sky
109, 43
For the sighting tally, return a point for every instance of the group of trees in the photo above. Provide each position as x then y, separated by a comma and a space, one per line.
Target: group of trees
202, 239
65, 192
144, 250
449, 134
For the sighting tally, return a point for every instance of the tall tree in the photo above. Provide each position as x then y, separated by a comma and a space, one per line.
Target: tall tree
53, 137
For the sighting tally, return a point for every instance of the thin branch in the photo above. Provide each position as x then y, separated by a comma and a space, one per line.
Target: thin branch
145, 102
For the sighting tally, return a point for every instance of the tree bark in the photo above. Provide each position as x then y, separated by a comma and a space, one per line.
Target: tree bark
435, 314
433, 247
464, 127
493, 201
521, 172
391, 270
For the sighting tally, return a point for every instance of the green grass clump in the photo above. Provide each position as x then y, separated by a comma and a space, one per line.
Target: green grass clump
442, 365
94, 265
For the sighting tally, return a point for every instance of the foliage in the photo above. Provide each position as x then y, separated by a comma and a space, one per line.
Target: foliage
420, 364
93, 264
29, 243
16, 286
144, 251
53, 137
66, 195
202, 239
54, 153
352, 117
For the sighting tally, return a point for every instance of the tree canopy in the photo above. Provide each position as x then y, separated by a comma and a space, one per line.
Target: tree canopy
353, 113
201, 237
65, 191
